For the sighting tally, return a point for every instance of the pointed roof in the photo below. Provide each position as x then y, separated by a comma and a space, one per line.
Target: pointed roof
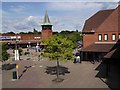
95, 21
110, 24
46, 19
104, 21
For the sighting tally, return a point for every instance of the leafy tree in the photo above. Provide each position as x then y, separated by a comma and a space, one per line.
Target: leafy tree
4, 55
74, 36
9, 33
59, 48
35, 31
55, 33
30, 32
23, 33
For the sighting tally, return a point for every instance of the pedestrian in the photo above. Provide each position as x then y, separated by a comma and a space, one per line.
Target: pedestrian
78, 59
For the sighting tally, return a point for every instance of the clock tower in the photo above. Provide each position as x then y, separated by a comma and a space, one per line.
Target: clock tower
46, 27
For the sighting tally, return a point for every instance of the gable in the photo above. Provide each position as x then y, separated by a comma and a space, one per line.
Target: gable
110, 24
95, 21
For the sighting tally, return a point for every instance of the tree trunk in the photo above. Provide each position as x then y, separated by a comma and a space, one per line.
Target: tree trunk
57, 68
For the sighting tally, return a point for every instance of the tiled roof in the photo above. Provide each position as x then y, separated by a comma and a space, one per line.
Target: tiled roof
110, 24
113, 54
94, 22
98, 48
104, 21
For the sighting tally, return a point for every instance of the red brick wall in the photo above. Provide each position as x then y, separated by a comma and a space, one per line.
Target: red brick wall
88, 39
109, 36
46, 34
29, 36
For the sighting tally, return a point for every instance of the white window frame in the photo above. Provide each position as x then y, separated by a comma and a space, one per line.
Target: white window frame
113, 37
99, 37
105, 37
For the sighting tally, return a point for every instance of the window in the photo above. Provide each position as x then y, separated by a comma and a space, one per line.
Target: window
119, 36
99, 37
105, 37
113, 36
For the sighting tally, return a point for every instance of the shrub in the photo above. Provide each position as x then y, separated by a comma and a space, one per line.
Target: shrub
4, 54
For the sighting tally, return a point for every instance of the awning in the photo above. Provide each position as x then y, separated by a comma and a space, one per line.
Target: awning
98, 48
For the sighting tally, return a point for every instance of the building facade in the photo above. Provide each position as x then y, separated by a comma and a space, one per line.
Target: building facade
101, 41
101, 33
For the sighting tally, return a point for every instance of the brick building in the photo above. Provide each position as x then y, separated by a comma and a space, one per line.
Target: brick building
46, 28
33, 39
101, 33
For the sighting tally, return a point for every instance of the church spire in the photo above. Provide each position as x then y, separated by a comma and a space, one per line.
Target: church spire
46, 19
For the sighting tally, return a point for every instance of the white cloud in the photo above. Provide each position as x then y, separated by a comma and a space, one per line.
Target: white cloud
18, 9
30, 22
68, 20
23, 25
31, 18
72, 5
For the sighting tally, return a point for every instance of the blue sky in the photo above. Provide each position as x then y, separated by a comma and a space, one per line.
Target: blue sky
24, 16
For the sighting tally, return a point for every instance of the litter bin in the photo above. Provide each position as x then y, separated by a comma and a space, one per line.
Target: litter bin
14, 74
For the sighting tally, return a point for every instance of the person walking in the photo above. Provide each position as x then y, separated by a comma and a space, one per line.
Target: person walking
78, 59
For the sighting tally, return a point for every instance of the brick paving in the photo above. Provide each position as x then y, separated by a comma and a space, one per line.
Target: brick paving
80, 76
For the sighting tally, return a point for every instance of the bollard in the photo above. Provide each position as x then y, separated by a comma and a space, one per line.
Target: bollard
15, 73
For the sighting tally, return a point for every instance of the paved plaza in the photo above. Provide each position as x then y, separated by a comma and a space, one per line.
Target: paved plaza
79, 75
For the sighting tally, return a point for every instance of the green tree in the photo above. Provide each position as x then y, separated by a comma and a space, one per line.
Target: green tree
23, 33
74, 36
4, 55
35, 31
10, 33
59, 48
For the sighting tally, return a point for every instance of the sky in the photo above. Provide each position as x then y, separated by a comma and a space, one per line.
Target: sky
25, 16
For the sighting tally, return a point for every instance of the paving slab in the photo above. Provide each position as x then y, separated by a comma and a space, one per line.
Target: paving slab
82, 75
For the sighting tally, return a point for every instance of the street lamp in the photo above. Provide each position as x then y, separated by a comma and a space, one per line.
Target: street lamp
16, 49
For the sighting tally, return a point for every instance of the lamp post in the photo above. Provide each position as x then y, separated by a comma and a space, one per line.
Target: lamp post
16, 49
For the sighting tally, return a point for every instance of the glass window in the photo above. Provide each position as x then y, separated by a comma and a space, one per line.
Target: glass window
113, 36
119, 36
99, 37
105, 37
